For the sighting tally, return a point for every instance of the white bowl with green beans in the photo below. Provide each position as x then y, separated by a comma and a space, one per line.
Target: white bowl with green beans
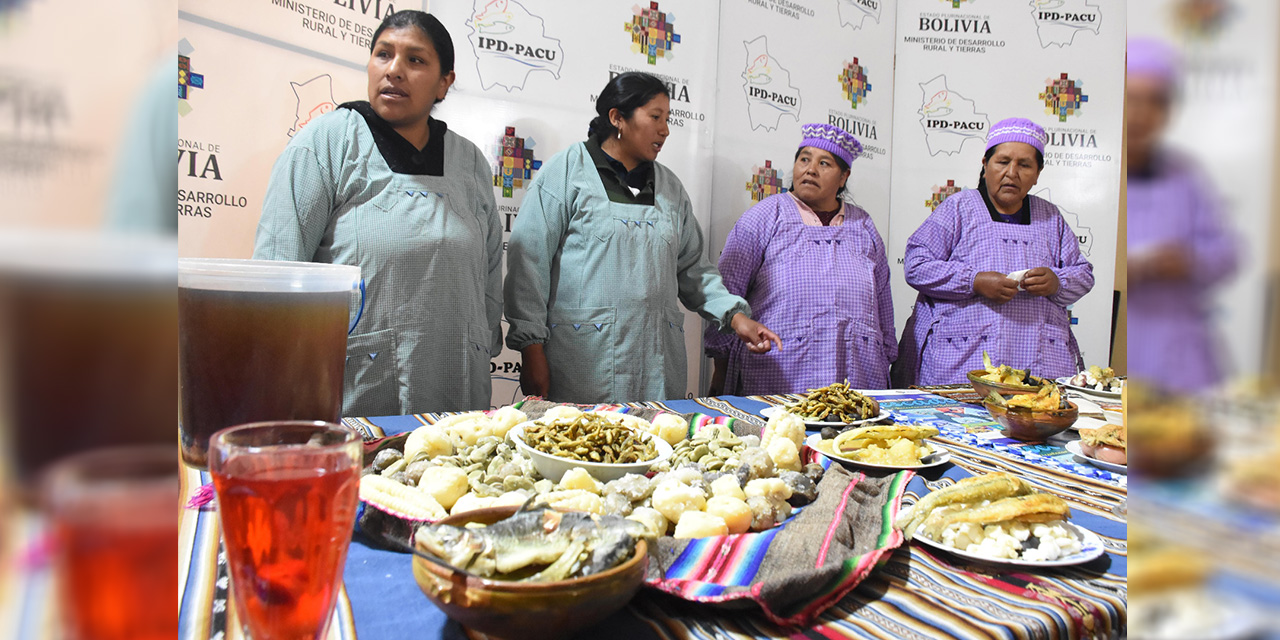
554, 456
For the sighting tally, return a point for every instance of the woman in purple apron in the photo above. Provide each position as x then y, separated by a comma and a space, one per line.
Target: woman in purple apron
1180, 249
813, 269
961, 261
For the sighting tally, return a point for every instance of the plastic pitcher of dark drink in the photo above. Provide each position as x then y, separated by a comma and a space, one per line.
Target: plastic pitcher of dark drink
259, 340
88, 344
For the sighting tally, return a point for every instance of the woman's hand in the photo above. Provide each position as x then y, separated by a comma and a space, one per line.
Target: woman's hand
1170, 263
995, 286
1041, 281
535, 373
756, 335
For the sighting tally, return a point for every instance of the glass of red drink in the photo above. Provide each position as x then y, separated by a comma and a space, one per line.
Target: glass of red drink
259, 340
287, 496
112, 515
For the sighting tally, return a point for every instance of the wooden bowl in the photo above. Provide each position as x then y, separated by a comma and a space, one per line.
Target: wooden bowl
985, 387
528, 610
1030, 425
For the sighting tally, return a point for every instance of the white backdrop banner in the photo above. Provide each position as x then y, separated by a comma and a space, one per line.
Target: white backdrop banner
963, 65
743, 76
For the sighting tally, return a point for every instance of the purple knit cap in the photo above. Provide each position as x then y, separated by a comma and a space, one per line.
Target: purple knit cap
1017, 130
1153, 58
831, 138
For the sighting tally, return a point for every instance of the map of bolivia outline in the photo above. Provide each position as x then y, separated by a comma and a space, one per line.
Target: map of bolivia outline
939, 103
770, 94
510, 43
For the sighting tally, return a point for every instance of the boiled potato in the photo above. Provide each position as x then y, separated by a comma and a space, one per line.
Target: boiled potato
575, 500
696, 524
562, 411
652, 519
445, 484
734, 511
727, 486
785, 455
673, 500
427, 442
505, 418
470, 502
670, 427
768, 488
578, 478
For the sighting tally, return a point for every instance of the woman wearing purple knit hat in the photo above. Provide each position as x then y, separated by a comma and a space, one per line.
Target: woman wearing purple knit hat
813, 269
1181, 249
996, 269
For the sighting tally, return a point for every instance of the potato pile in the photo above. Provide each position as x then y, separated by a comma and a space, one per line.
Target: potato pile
752, 487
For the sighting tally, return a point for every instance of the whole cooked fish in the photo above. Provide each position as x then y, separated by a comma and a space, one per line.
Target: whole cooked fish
971, 490
567, 544
1035, 507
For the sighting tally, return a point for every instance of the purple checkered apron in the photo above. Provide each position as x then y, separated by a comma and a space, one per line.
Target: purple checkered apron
951, 325
823, 290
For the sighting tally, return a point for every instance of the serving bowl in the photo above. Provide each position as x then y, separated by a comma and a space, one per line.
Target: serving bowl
985, 387
1032, 425
554, 467
527, 610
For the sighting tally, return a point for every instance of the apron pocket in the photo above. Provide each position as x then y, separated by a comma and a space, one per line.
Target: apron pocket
581, 353
951, 353
371, 381
1056, 358
675, 366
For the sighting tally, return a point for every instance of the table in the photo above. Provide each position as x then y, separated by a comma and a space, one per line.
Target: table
914, 594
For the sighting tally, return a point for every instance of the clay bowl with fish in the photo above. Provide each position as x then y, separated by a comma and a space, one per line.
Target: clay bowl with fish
985, 387
1032, 425
513, 608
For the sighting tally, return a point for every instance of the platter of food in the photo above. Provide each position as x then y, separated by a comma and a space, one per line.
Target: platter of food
1096, 381
770, 412
883, 447
712, 482
1074, 447
833, 405
999, 518
1002, 379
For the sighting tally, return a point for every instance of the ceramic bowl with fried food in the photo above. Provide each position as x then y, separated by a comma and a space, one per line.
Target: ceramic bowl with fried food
985, 387
528, 610
1032, 425
554, 467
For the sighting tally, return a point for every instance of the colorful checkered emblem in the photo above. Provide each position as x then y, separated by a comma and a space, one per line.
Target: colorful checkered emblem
515, 162
187, 79
1063, 97
652, 32
765, 181
941, 193
854, 84
1202, 19
956, 4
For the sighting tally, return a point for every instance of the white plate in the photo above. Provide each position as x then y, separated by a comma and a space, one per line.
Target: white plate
769, 412
1113, 395
939, 456
1090, 548
1074, 447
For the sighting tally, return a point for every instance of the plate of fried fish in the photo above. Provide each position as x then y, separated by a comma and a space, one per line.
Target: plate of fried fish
833, 405
1000, 518
883, 446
